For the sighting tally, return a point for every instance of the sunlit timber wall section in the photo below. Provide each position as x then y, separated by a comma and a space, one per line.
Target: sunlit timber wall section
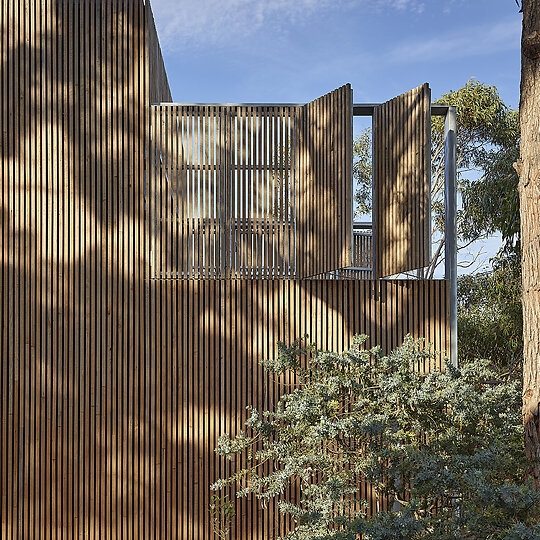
401, 183
75, 89
251, 191
206, 346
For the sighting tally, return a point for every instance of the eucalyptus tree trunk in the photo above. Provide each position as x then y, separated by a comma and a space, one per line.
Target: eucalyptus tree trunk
528, 168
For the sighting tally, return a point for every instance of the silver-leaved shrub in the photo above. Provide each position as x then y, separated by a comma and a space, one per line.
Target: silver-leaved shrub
442, 451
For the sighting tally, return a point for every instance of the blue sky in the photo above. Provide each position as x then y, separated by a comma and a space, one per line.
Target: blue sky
296, 50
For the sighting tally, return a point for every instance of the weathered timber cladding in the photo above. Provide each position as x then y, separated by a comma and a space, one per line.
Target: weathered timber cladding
324, 215
401, 145
114, 387
76, 457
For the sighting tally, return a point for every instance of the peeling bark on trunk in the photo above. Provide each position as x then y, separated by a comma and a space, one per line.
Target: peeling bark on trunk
528, 168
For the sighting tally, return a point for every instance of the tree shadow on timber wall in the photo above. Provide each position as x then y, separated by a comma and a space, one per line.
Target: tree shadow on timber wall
110, 382
220, 336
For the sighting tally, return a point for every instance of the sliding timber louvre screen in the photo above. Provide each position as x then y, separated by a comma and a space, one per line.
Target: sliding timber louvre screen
222, 191
324, 215
401, 184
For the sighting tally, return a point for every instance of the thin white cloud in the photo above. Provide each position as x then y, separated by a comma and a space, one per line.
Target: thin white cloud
470, 41
207, 22
192, 23
411, 5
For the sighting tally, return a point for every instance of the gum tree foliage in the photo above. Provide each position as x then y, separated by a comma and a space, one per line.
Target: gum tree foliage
362, 173
487, 146
490, 316
444, 449
487, 142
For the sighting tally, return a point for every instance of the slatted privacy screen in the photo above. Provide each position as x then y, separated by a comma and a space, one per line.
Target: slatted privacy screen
222, 196
251, 191
325, 190
362, 253
401, 144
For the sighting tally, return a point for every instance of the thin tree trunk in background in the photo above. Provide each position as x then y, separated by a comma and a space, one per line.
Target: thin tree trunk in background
528, 168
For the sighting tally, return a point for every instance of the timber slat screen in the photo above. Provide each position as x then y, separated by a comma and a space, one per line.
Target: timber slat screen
324, 216
251, 191
222, 194
362, 249
402, 182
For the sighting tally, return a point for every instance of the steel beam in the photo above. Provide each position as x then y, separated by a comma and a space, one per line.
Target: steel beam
359, 109
366, 109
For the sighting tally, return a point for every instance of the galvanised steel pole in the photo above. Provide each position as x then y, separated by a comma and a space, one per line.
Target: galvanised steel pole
450, 227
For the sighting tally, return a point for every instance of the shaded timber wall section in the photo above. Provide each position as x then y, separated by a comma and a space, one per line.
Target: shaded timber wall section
74, 97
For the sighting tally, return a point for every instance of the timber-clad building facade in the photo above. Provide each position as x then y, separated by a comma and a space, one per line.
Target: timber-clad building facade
153, 253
